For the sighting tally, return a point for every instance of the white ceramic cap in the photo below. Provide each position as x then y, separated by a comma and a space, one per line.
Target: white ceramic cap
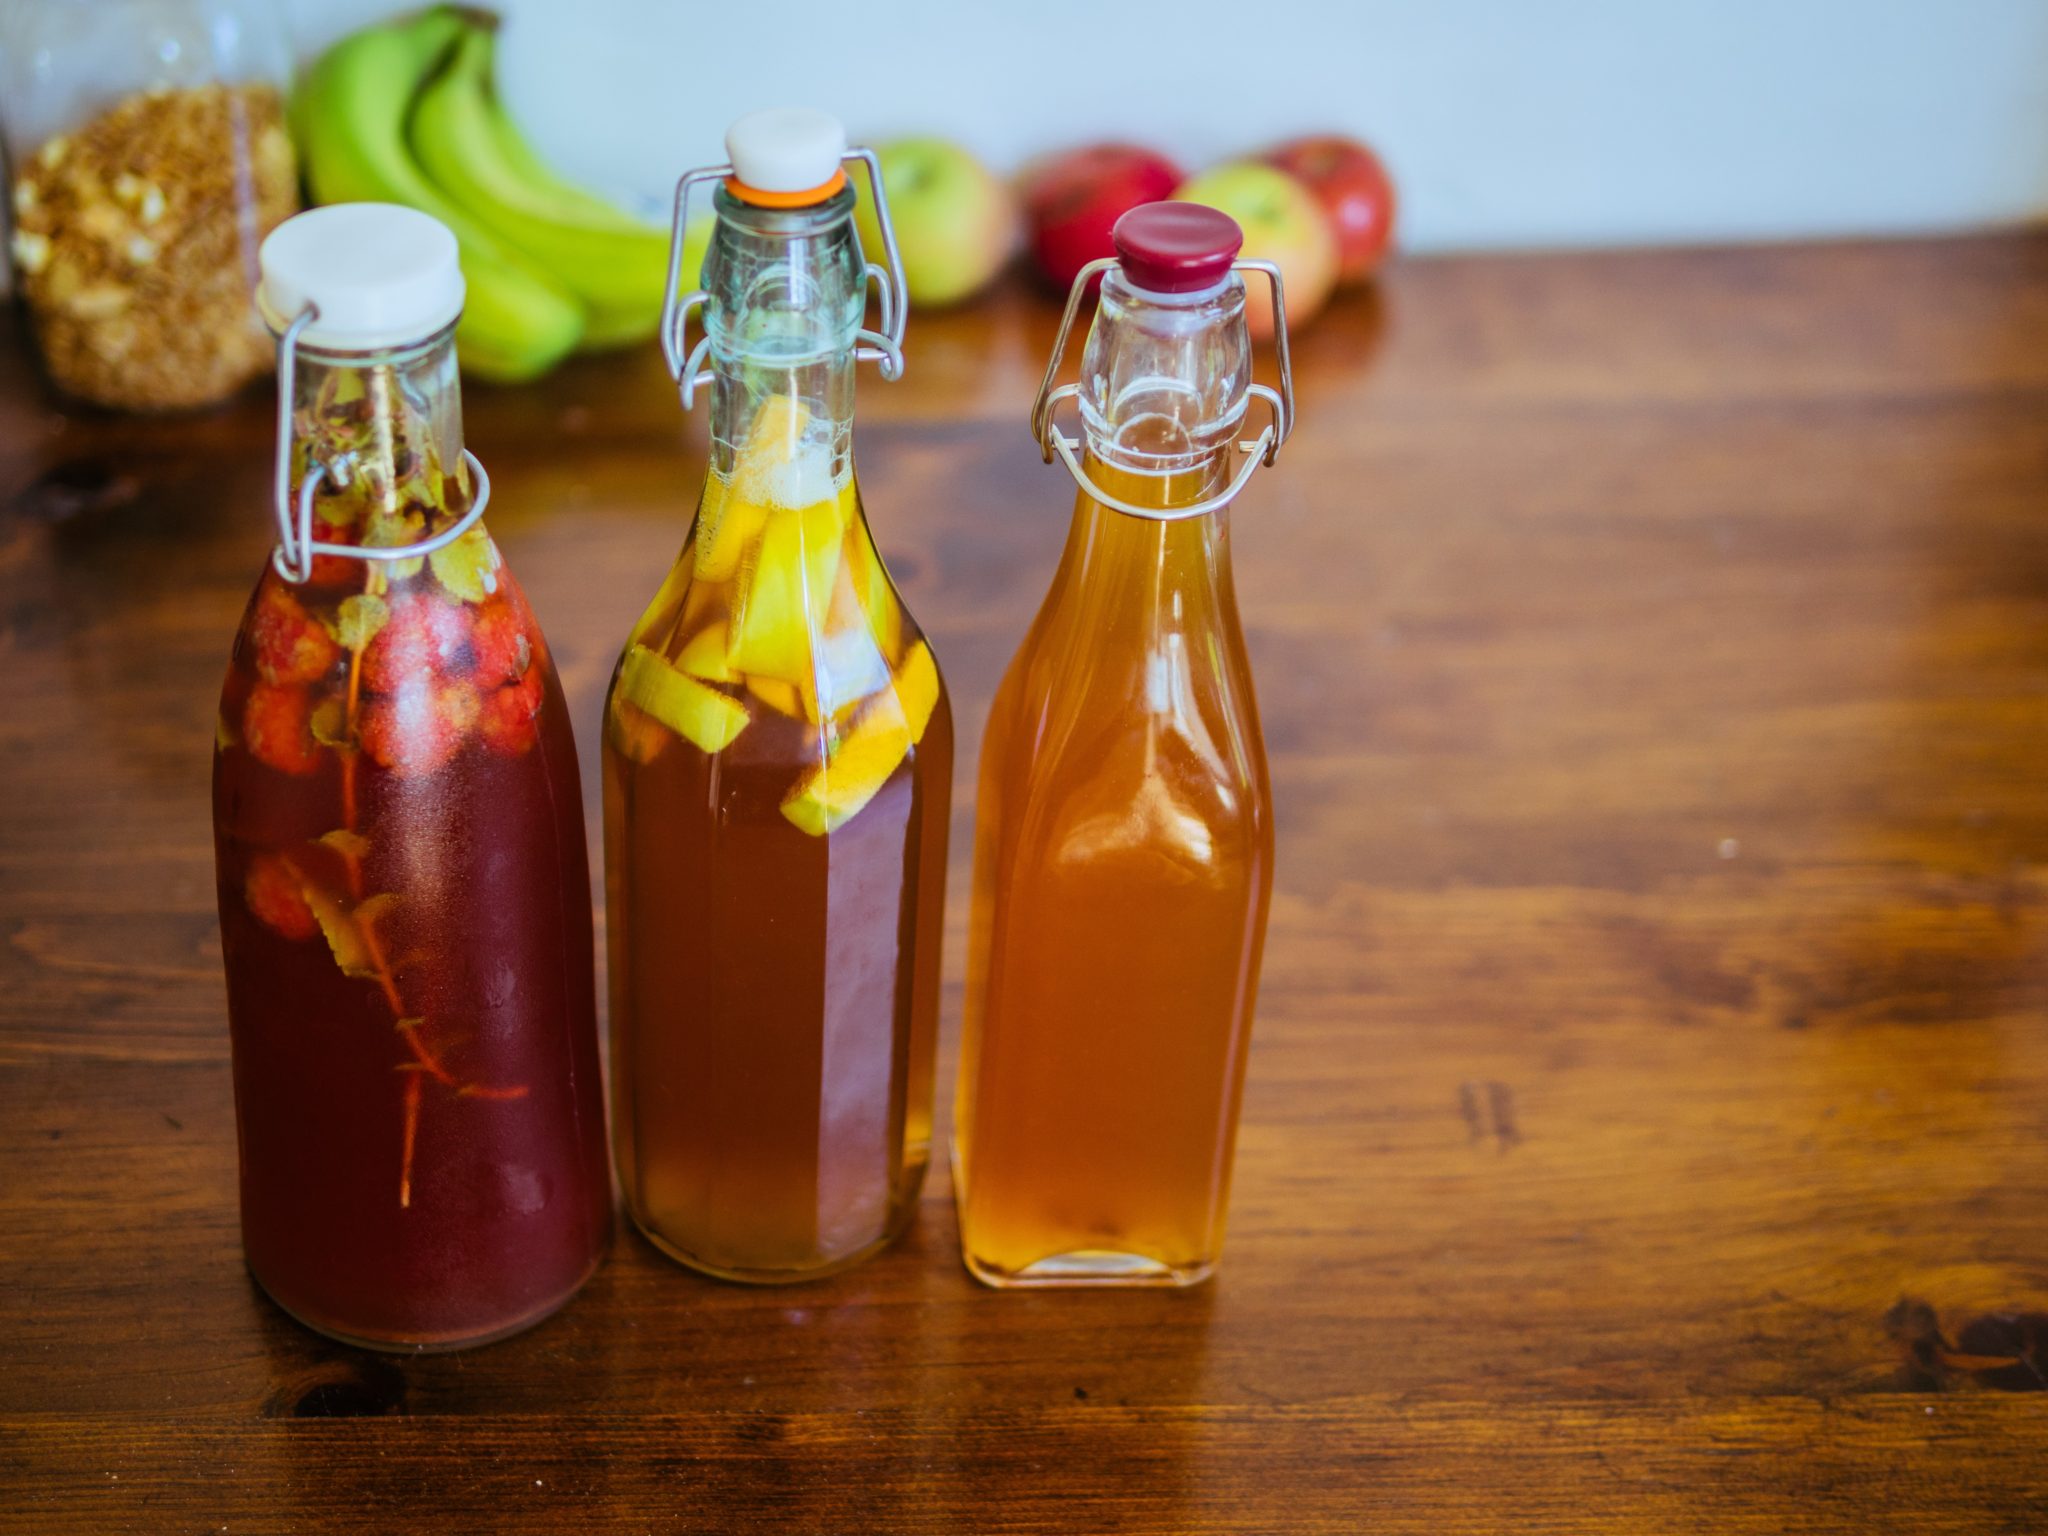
785, 149
380, 275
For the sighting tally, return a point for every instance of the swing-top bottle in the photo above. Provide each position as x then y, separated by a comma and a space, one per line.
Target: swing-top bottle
1124, 831
777, 756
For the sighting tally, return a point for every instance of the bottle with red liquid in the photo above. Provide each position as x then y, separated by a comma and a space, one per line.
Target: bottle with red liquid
1124, 831
404, 888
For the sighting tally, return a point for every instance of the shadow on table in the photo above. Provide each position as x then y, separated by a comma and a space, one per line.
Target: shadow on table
852, 1404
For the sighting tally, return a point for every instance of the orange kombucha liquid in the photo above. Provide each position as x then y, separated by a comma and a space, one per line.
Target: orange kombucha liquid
1123, 865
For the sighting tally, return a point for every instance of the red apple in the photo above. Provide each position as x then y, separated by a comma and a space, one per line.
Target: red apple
1282, 223
1354, 189
1071, 201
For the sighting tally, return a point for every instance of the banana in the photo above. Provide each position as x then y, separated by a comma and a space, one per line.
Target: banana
608, 328
350, 113
537, 174
615, 265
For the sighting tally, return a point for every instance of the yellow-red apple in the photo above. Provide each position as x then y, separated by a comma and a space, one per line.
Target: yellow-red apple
1284, 224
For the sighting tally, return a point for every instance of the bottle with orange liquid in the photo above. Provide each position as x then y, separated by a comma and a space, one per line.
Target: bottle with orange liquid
1124, 842
777, 766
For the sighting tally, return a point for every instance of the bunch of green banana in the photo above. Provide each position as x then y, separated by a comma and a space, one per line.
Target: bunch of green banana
404, 112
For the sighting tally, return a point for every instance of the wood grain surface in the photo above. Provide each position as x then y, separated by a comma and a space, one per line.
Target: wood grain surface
1653, 651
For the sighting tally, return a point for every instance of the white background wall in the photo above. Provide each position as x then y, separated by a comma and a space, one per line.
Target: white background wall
1507, 122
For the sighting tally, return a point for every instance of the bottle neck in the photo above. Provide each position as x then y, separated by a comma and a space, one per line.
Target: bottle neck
786, 294
1165, 379
1154, 487
1127, 586
386, 427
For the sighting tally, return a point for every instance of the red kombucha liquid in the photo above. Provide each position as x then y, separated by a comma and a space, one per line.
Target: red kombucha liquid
406, 920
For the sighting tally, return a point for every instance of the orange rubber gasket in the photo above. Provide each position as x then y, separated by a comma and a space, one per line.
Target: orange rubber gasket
803, 199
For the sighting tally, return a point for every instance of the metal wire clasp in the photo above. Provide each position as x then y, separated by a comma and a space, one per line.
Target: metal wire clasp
296, 546
686, 363
1263, 449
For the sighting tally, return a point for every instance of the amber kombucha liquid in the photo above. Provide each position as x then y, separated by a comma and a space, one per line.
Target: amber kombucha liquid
1123, 863
775, 826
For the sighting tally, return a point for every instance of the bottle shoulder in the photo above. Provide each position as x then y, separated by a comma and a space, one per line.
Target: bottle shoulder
1102, 748
778, 646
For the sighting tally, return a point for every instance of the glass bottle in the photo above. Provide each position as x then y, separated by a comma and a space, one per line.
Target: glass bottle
404, 890
148, 158
777, 764
1124, 830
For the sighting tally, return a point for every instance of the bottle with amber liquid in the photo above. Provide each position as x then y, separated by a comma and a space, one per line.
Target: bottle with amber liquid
404, 892
777, 764
1124, 830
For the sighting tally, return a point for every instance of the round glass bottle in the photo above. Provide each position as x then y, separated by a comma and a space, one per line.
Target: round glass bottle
404, 890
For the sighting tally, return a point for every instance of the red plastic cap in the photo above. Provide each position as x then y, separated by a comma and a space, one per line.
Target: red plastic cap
1176, 247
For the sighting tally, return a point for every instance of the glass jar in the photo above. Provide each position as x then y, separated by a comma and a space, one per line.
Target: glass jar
404, 890
148, 157
1124, 827
778, 762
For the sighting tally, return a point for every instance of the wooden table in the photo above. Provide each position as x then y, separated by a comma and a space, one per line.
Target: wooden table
1654, 659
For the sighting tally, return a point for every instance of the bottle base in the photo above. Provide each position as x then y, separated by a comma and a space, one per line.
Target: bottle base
432, 1344
1089, 1267
901, 1213
744, 1275
1073, 1268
